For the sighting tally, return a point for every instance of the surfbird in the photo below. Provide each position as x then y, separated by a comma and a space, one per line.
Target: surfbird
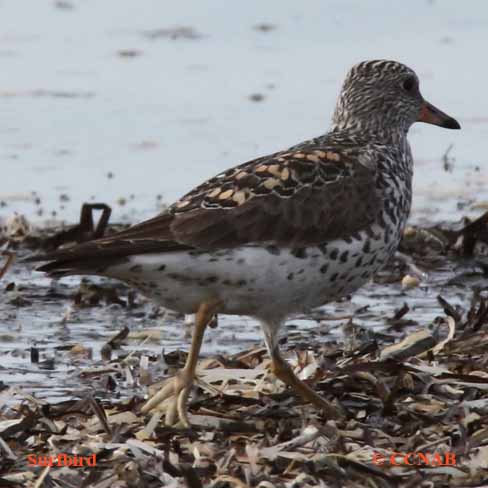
278, 235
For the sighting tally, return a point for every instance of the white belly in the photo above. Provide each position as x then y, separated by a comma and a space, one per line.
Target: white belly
256, 281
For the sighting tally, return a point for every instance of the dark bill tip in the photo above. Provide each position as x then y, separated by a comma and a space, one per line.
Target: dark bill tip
432, 115
451, 124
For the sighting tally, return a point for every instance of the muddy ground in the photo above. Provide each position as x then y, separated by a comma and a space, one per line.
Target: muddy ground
405, 358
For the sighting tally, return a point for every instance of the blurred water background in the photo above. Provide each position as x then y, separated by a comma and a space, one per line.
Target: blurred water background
124, 102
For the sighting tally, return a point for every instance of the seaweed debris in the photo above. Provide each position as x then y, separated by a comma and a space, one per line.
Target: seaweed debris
415, 394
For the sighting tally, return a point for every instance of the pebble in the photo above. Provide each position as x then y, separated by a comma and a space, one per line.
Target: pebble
409, 282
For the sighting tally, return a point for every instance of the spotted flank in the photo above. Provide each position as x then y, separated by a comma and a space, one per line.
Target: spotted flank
250, 279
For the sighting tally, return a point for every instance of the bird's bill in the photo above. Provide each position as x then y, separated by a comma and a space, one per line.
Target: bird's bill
432, 115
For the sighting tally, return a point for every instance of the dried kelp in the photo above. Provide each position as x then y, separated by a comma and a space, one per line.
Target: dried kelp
249, 430
415, 393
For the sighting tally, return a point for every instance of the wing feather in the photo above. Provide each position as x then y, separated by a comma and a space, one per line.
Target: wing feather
294, 198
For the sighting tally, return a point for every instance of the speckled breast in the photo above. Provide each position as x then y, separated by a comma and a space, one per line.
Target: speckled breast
257, 280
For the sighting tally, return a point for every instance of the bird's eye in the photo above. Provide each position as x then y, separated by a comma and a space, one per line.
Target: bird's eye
409, 83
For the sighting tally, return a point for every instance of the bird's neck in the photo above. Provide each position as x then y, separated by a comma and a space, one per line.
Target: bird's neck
371, 132
372, 124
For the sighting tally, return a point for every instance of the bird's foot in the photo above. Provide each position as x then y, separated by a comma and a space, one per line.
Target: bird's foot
285, 373
172, 399
173, 396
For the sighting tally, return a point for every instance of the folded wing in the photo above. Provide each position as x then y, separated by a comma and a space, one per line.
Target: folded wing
293, 198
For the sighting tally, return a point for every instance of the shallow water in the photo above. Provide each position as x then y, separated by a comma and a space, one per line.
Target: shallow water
98, 89
48, 320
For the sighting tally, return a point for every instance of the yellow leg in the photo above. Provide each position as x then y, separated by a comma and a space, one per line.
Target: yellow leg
178, 388
10, 260
284, 372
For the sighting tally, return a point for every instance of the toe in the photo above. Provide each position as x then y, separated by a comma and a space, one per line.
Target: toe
182, 407
170, 417
165, 392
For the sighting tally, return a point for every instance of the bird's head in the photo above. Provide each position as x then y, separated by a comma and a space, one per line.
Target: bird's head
384, 96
